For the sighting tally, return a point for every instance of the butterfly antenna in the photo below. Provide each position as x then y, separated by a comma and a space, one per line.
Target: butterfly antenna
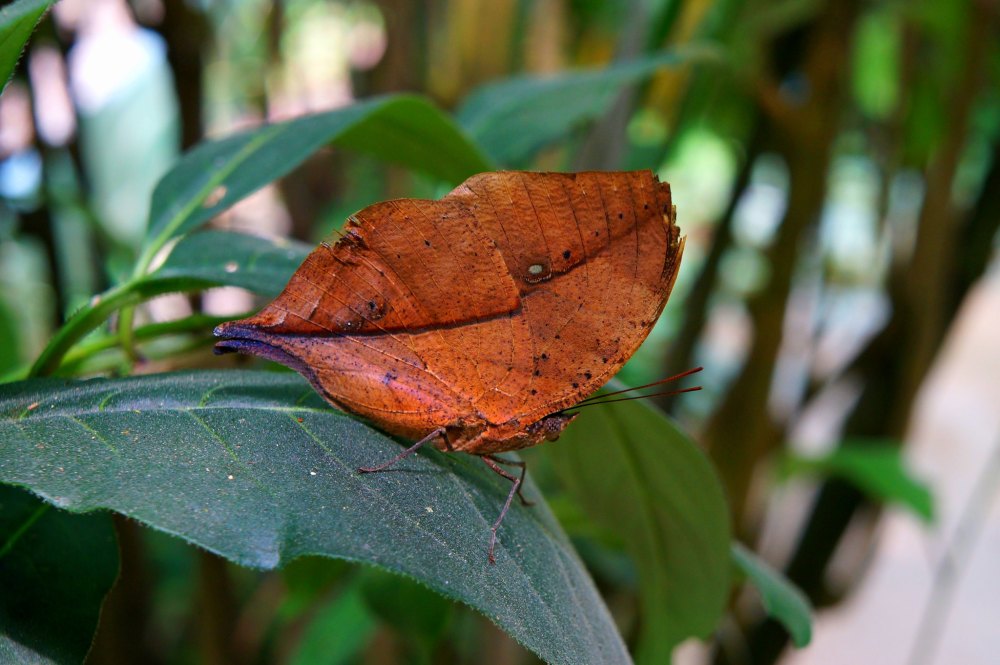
675, 377
665, 393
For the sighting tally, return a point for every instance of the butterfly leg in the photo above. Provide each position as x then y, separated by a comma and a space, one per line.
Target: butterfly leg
514, 489
524, 469
403, 455
447, 443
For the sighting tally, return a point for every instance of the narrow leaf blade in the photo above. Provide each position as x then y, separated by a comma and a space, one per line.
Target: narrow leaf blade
876, 467
406, 130
17, 22
782, 600
226, 258
516, 117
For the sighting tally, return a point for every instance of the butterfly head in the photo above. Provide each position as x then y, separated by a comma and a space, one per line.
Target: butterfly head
550, 427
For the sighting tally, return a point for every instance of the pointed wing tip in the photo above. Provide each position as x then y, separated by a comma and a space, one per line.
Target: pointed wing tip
269, 323
222, 330
240, 328
236, 337
245, 337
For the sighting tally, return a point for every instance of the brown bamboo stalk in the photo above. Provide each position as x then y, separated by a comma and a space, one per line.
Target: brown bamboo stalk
741, 431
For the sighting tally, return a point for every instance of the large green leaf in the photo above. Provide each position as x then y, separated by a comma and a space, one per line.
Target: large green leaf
781, 599
875, 466
17, 22
55, 569
516, 117
224, 258
640, 477
253, 466
403, 129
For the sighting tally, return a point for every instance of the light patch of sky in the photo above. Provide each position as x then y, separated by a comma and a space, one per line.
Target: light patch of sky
762, 206
106, 64
849, 223
20, 175
129, 128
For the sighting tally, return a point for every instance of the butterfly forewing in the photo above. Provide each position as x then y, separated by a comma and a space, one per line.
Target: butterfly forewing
513, 297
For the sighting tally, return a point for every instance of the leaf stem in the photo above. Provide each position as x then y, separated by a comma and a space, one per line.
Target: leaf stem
126, 334
82, 322
150, 331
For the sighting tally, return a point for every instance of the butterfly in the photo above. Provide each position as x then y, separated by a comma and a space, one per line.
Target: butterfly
475, 321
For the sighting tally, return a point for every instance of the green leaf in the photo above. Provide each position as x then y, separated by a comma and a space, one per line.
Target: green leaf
225, 258
255, 467
406, 130
393, 600
409, 130
637, 475
875, 466
17, 22
55, 570
10, 334
782, 600
518, 116
338, 631
876, 67
307, 580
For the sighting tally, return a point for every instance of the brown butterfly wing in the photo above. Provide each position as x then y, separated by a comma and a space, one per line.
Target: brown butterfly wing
594, 257
505, 301
404, 318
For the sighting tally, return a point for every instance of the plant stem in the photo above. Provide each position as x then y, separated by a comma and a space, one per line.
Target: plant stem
95, 312
82, 322
150, 331
113, 360
126, 334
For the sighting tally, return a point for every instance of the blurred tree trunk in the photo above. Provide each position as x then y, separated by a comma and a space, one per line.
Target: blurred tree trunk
309, 189
216, 612
605, 145
696, 305
39, 222
741, 431
187, 34
124, 634
926, 280
188, 37
977, 234
925, 293
402, 65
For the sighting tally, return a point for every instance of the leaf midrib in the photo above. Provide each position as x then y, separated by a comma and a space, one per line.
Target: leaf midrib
74, 413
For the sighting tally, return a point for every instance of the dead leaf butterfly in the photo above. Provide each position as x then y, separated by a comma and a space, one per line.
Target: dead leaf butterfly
475, 321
